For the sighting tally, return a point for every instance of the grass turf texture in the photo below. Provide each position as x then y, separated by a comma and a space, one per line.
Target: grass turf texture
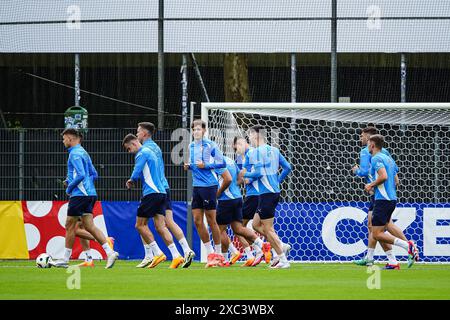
23, 280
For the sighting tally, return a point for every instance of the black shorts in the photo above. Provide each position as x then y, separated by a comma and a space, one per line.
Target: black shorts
382, 212
151, 205
229, 211
249, 207
168, 200
267, 205
372, 202
81, 205
204, 198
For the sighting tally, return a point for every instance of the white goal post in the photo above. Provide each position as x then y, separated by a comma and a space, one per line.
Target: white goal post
323, 211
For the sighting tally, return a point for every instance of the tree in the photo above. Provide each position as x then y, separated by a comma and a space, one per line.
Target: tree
235, 67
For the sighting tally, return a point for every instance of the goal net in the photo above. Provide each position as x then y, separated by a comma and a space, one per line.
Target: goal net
323, 211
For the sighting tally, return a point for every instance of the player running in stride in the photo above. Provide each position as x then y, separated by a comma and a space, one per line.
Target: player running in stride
153, 200
81, 174
364, 170
229, 212
145, 132
384, 170
250, 205
265, 162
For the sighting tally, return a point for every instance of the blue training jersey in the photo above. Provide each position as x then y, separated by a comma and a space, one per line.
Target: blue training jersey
387, 190
251, 189
81, 173
208, 152
364, 163
233, 191
265, 162
152, 145
147, 170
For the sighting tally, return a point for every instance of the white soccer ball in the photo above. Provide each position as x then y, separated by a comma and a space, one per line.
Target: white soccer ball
43, 261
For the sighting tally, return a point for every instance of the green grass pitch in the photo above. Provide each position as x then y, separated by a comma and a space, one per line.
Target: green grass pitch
22, 280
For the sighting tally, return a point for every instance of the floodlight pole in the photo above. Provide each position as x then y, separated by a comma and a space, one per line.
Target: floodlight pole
77, 80
333, 51
161, 65
184, 91
293, 126
189, 218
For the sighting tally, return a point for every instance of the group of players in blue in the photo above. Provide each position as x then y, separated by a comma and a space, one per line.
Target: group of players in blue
217, 196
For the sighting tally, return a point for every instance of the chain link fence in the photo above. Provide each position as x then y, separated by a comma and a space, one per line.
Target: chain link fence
34, 164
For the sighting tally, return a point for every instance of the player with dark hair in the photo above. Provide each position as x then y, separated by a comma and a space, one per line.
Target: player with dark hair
81, 174
384, 170
363, 170
205, 157
265, 161
241, 147
229, 211
145, 133
153, 201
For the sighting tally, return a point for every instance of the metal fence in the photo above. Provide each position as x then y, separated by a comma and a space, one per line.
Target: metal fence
34, 164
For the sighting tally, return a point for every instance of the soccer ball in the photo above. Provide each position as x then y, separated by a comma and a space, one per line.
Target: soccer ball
43, 261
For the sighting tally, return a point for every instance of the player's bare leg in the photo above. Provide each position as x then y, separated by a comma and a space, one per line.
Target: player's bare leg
251, 238
387, 248
247, 249
201, 230
267, 249
272, 237
85, 237
395, 230
179, 235
81, 233
275, 242
172, 226
380, 235
163, 231
257, 225
71, 224
242, 239
224, 238
144, 231
215, 231
89, 225
88, 260
368, 260
226, 245
148, 241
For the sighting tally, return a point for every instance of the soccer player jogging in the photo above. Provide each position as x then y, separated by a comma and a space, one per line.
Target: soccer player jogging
81, 174
145, 132
153, 200
229, 211
384, 170
266, 161
250, 205
364, 170
205, 157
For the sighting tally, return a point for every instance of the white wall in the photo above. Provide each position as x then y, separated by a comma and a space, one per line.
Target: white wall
225, 36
